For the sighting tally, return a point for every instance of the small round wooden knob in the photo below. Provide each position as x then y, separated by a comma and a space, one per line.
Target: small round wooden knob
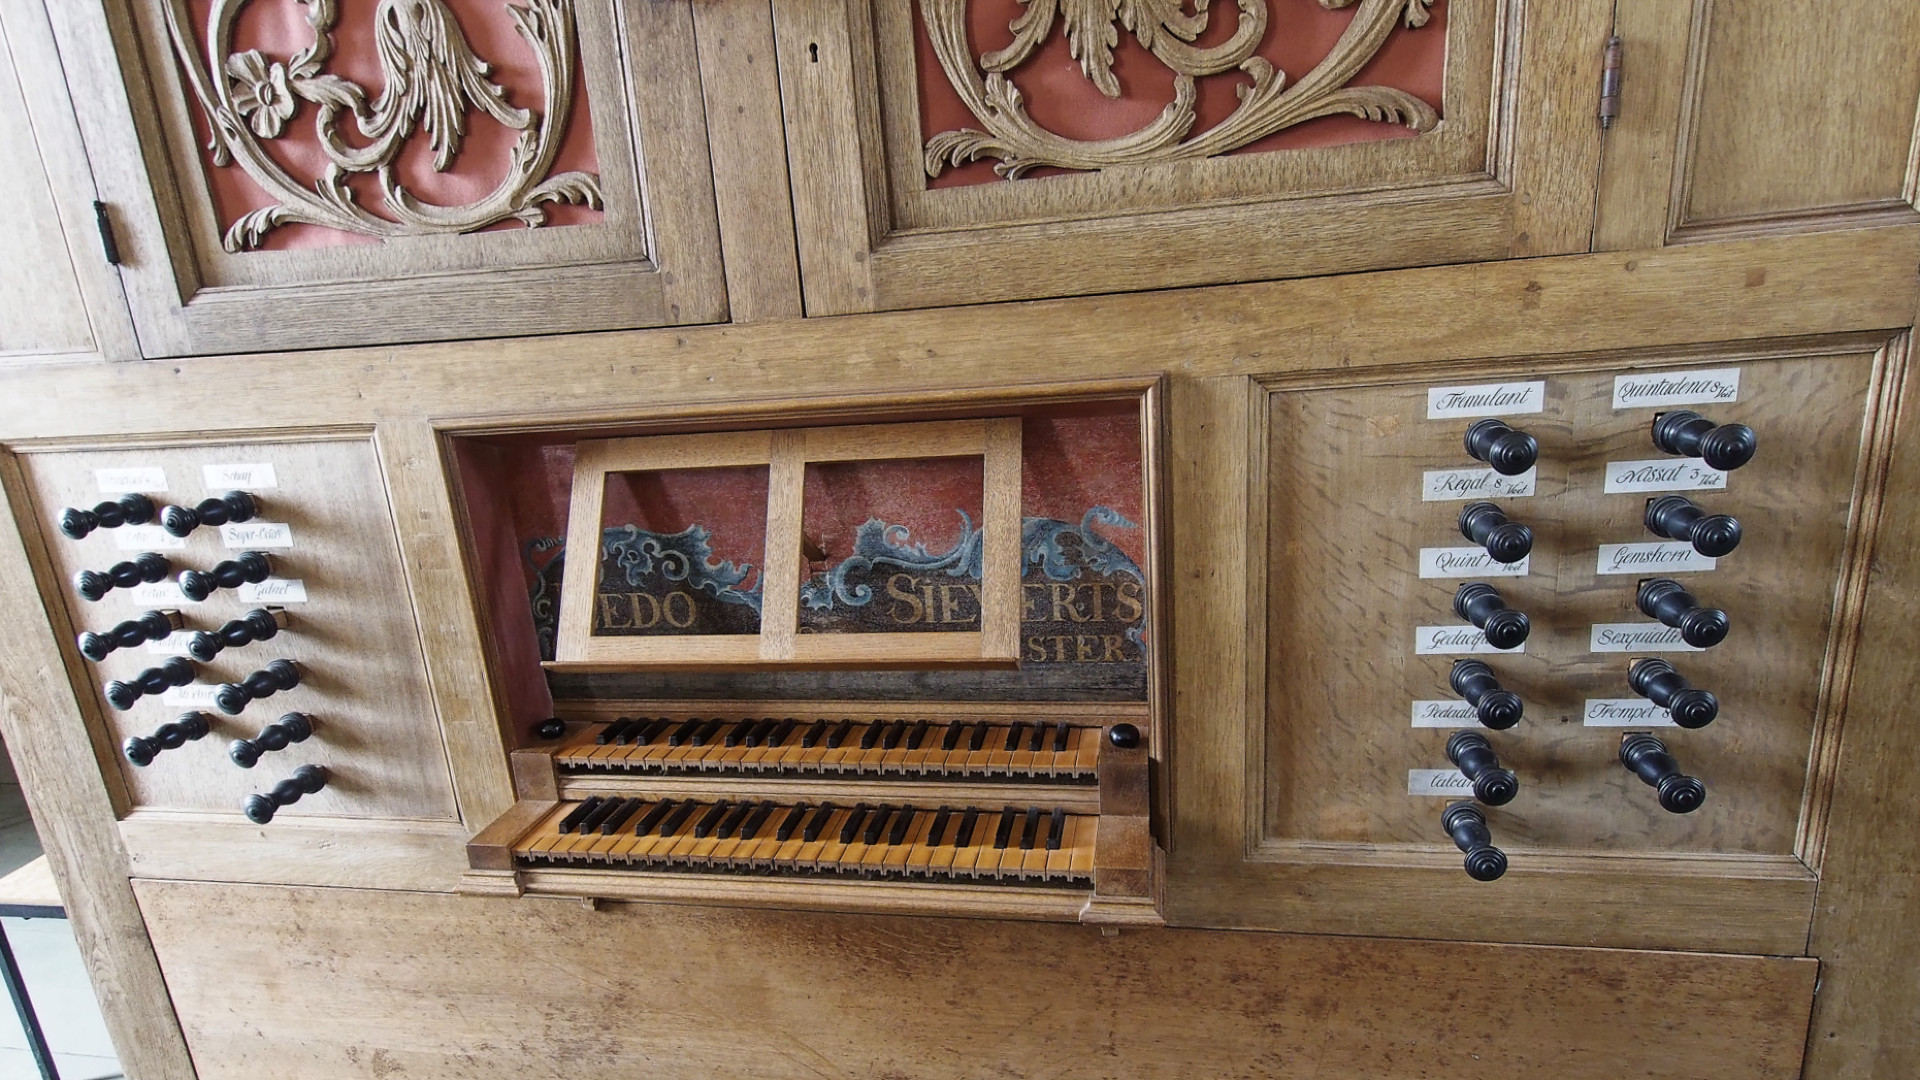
1509, 450
1701, 627
1647, 757
151, 626
144, 568
1675, 517
1473, 755
129, 509
1506, 541
1482, 605
1658, 682
1724, 447
176, 671
1124, 736
1467, 825
250, 568
233, 506
260, 624
280, 675
292, 728
306, 780
551, 728
172, 735
1493, 707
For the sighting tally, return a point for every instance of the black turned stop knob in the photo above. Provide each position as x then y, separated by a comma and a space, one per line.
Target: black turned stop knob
172, 735
176, 671
1473, 755
1647, 758
147, 567
551, 728
1509, 450
1468, 826
130, 509
1481, 604
151, 626
306, 780
233, 506
1666, 600
1124, 736
1658, 682
1689, 434
1495, 708
251, 568
260, 624
1506, 541
292, 728
1677, 518
268, 681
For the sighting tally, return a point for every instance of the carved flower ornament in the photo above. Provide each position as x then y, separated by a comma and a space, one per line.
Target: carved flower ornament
261, 93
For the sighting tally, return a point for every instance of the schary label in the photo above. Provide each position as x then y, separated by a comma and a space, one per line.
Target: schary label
1448, 485
1448, 782
1657, 388
164, 593
274, 591
1666, 557
1637, 637
1664, 474
257, 534
239, 476
1446, 713
192, 695
1486, 399
1467, 562
1453, 640
119, 481
146, 538
1625, 712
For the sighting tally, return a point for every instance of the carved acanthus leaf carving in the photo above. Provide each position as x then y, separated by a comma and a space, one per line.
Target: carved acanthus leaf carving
432, 81
1165, 29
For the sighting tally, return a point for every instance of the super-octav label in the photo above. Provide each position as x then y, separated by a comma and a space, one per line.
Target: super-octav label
1637, 637
1448, 640
1667, 557
1659, 388
1486, 399
1446, 485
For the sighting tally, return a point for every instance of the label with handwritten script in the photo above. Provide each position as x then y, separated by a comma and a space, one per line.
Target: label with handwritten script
1448, 640
1625, 712
1451, 485
163, 593
1660, 388
258, 475
146, 538
1637, 637
131, 478
257, 534
1467, 562
1663, 474
274, 591
1444, 713
174, 644
1449, 782
191, 696
1666, 557
1486, 399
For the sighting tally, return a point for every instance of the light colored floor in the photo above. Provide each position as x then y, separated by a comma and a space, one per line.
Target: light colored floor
50, 964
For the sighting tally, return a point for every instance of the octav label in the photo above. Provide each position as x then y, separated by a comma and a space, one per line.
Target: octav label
146, 538
1666, 556
1664, 474
165, 591
1467, 562
1451, 782
1447, 640
1637, 637
1446, 713
1625, 712
117, 481
191, 695
1446, 485
274, 591
239, 476
1486, 399
1660, 388
257, 534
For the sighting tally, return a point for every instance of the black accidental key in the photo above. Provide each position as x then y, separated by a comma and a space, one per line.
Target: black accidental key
895, 732
952, 738
1013, 735
791, 822
652, 817
871, 735
814, 734
819, 821
839, 734
705, 732
592, 821
705, 828
979, 738
1039, 738
760, 733
580, 813
852, 828
647, 732
1005, 832
605, 734
620, 817
1060, 737
939, 827
901, 823
751, 828
876, 825
1056, 828
1026, 833
738, 732
964, 834
732, 821
678, 818
778, 736
919, 735
682, 733
628, 728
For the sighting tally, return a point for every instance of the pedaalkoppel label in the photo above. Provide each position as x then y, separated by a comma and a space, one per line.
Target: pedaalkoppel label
1449, 782
1453, 640
1665, 556
1625, 712
1664, 474
146, 538
1637, 637
1486, 399
1659, 388
1467, 562
1444, 713
130, 478
1447, 485
256, 475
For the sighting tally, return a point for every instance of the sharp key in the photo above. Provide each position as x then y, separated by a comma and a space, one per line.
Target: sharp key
893, 734
629, 729
871, 735
1013, 735
580, 813
650, 731
952, 738
979, 738
732, 821
678, 818
1027, 831
762, 733
620, 816
652, 817
852, 827
778, 736
965, 831
901, 823
758, 819
705, 732
611, 732
607, 818
939, 826
1038, 738
737, 734
1060, 737
1005, 831
1056, 827
876, 825
819, 820
814, 734
839, 734
918, 735
682, 733
791, 823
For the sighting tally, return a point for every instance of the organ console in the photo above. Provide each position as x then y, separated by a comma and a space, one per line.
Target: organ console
1474, 756
1506, 541
1509, 450
151, 626
1688, 434
1466, 825
1646, 757
1668, 601
250, 568
260, 624
1675, 517
234, 506
1482, 605
140, 750
129, 509
306, 780
294, 727
233, 698
1657, 681
145, 568
1494, 707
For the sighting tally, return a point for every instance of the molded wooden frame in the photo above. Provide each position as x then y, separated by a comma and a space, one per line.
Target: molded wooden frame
786, 453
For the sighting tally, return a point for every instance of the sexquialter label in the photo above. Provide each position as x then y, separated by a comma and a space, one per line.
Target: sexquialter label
1637, 637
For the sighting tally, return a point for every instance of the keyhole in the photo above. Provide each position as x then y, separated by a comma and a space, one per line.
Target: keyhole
813, 52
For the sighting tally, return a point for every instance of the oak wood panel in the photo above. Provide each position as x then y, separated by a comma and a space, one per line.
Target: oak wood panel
414, 855
343, 984
1639, 153
44, 312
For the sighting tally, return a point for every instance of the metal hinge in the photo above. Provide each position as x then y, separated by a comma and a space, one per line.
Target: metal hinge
1610, 84
108, 245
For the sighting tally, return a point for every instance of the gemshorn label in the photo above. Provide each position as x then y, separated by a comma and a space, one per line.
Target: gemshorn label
1445, 713
1637, 637
1486, 399
1663, 474
239, 476
1467, 562
257, 534
1449, 782
1447, 640
174, 644
146, 538
1665, 556
192, 695
1446, 485
274, 591
116, 481
1655, 388
1625, 712
165, 591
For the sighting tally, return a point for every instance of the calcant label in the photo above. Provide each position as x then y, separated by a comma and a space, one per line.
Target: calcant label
1444, 485
146, 538
1625, 712
1448, 782
1467, 562
1637, 637
165, 592
1665, 556
1445, 713
117, 481
1656, 388
257, 534
1486, 399
239, 476
192, 695
1663, 474
274, 591
1449, 640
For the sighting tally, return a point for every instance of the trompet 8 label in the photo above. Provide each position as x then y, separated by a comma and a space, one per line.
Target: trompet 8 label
1486, 399
1625, 712
1659, 388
